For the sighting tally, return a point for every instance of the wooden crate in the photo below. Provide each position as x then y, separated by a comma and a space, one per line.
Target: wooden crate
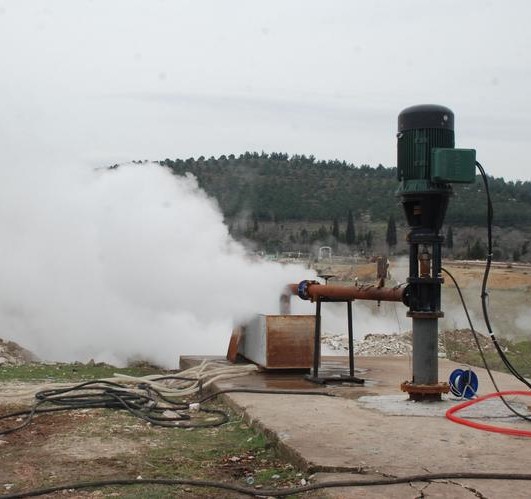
279, 341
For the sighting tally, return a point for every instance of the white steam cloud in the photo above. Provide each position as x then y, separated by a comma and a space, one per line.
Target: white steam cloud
136, 263
121, 264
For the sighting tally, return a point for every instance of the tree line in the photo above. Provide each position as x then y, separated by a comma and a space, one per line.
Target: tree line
278, 187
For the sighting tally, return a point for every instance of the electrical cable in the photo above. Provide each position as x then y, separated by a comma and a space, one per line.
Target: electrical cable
484, 293
427, 477
143, 402
128, 402
484, 304
480, 349
141, 398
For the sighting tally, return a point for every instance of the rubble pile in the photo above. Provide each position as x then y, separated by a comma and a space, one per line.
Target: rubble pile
401, 344
463, 339
372, 344
12, 354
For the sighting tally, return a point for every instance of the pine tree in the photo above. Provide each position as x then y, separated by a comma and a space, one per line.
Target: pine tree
477, 251
335, 228
390, 236
368, 239
350, 236
449, 238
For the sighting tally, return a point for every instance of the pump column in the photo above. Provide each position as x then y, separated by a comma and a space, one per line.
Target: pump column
428, 163
421, 129
425, 281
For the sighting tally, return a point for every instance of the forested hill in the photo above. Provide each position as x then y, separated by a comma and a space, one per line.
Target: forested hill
280, 187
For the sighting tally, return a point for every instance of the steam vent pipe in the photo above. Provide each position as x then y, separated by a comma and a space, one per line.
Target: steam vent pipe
427, 164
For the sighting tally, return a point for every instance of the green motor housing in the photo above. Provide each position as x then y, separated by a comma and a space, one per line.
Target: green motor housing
428, 164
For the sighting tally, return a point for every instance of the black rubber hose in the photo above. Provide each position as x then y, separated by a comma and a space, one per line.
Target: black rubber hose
484, 293
109, 395
428, 477
478, 344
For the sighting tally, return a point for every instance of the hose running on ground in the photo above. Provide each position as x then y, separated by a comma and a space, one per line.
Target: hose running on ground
428, 477
450, 414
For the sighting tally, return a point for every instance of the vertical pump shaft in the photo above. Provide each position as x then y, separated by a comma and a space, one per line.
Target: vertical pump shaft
427, 164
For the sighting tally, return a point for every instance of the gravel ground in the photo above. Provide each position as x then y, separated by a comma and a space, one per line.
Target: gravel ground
399, 344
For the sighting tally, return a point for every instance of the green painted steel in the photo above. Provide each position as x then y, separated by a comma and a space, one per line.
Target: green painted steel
456, 166
414, 151
428, 161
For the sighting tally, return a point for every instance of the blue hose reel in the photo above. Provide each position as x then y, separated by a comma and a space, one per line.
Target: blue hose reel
464, 383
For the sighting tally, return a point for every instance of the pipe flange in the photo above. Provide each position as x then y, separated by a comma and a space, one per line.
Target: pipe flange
425, 392
302, 289
424, 315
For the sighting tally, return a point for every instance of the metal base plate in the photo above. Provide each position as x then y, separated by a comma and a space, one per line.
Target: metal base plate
342, 378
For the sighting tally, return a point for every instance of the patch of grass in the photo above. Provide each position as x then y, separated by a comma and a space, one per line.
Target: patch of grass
518, 353
70, 372
233, 452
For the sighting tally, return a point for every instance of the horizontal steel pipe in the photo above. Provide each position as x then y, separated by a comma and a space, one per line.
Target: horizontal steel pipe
311, 290
320, 291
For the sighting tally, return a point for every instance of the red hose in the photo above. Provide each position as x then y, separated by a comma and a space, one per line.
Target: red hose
487, 427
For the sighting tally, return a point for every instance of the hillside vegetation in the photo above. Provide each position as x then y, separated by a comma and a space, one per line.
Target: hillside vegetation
277, 187
280, 203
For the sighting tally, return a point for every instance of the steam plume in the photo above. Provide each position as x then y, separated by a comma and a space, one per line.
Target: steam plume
124, 263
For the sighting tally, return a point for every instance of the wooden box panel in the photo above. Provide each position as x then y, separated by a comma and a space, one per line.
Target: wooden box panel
290, 341
279, 341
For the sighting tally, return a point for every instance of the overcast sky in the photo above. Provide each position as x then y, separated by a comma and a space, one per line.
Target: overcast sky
105, 81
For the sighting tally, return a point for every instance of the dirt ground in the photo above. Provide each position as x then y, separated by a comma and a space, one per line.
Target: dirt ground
502, 276
467, 273
39, 454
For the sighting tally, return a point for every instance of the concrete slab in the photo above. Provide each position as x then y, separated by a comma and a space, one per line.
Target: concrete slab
446, 489
342, 433
397, 405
